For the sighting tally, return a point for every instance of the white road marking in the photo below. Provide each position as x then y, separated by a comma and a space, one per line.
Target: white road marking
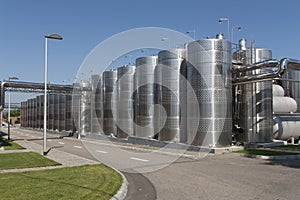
99, 151
78, 147
22, 133
61, 143
139, 159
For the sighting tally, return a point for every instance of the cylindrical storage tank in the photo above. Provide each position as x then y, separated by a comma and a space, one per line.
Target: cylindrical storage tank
99, 103
286, 126
257, 107
109, 101
170, 63
35, 121
69, 126
40, 111
29, 113
50, 111
95, 125
209, 73
22, 114
144, 84
62, 112
292, 89
277, 90
82, 107
284, 105
125, 102
56, 112
30, 107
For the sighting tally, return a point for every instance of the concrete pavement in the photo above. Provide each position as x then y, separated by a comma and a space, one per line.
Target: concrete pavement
228, 176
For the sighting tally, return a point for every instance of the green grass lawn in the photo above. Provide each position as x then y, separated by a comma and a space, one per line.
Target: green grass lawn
264, 153
288, 147
84, 182
8, 145
24, 160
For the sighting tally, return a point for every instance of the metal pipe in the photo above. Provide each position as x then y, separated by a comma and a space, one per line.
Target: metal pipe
258, 65
32, 85
282, 66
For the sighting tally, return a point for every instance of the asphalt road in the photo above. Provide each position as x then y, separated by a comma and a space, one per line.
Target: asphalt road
228, 176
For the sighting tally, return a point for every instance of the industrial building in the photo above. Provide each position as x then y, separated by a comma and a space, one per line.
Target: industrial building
207, 95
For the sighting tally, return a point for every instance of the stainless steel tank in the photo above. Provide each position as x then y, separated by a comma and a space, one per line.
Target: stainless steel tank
40, 112
50, 111
62, 112
256, 120
56, 112
69, 126
109, 101
286, 126
82, 108
95, 125
125, 102
30, 113
293, 88
144, 84
22, 114
209, 73
99, 103
170, 64
35, 114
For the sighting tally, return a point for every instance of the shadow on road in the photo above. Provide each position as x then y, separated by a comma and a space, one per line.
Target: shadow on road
139, 187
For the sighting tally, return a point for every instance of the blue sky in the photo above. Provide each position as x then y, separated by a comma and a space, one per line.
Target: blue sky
85, 23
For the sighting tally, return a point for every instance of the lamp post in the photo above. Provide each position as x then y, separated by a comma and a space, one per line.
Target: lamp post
238, 28
164, 39
55, 37
192, 31
8, 130
222, 19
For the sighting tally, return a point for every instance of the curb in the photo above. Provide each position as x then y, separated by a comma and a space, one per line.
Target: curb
287, 157
121, 194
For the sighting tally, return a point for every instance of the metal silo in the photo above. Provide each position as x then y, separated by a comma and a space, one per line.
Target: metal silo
292, 88
28, 112
95, 125
209, 73
22, 114
99, 103
40, 111
109, 101
144, 84
62, 112
35, 114
56, 112
69, 126
82, 108
125, 106
170, 64
25, 114
256, 119
50, 111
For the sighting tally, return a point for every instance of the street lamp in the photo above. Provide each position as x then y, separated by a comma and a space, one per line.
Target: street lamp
222, 19
55, 37
164, 39
191, 31
238, 28
8, 130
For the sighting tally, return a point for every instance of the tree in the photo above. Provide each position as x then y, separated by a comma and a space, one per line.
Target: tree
13, 113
